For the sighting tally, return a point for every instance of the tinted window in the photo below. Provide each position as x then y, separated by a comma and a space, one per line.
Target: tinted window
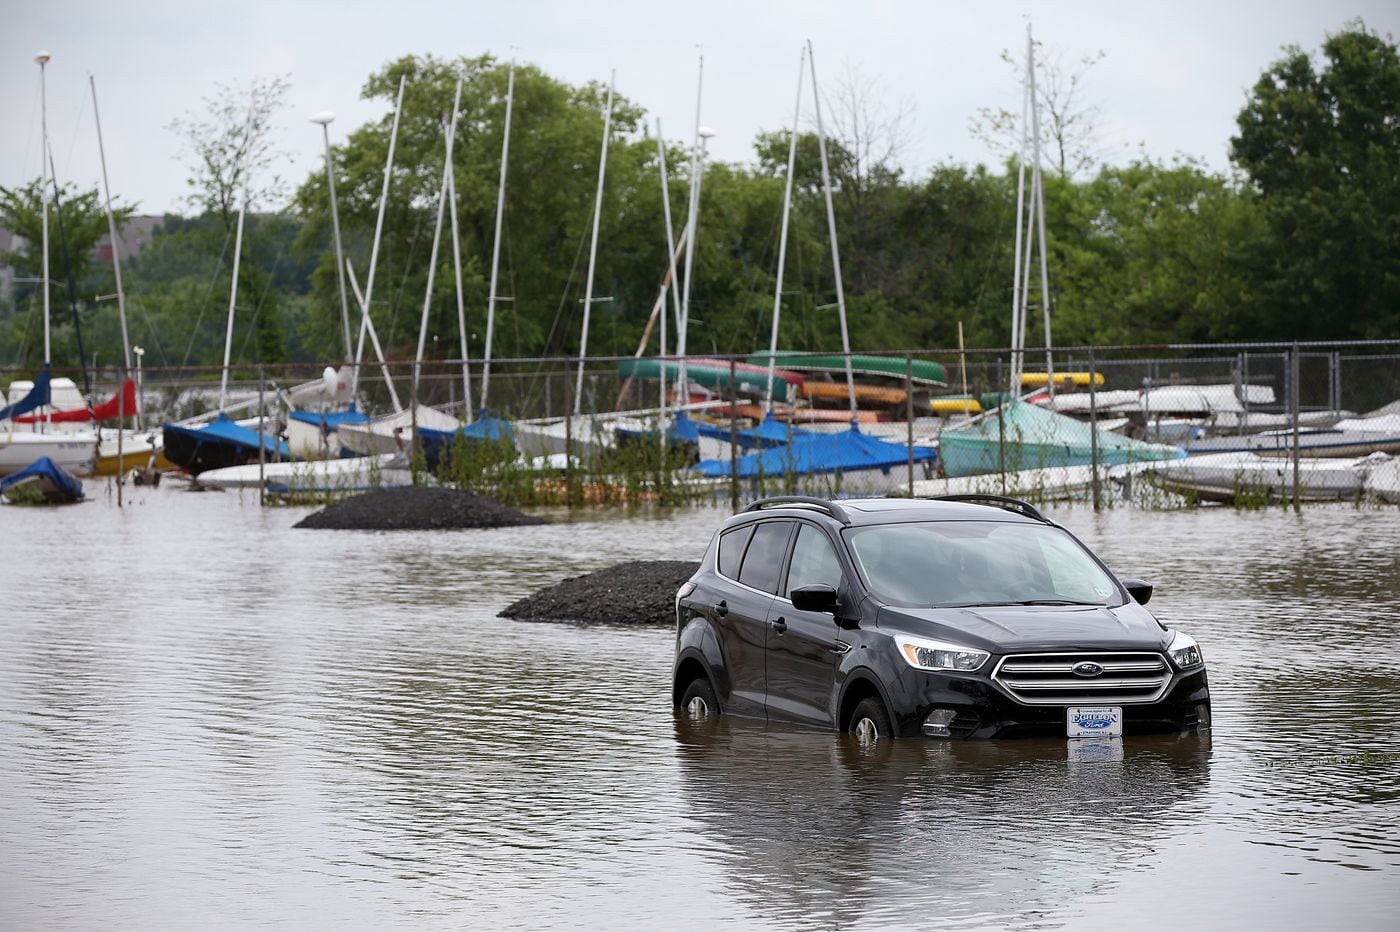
731, 550
978, 562
764, 557
813, 561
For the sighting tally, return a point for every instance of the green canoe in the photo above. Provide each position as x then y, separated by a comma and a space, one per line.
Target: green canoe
893, 367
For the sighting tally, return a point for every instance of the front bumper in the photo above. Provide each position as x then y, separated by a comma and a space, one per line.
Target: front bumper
982, 710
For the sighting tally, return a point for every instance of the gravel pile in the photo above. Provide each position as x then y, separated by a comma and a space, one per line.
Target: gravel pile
419, 508
642, 592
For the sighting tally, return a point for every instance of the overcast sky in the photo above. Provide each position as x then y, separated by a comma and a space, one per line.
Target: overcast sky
1173, 78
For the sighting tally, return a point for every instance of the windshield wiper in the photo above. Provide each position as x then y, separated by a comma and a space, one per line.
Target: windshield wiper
1017, 602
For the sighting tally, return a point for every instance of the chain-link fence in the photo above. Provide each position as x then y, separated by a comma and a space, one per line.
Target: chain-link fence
608, 431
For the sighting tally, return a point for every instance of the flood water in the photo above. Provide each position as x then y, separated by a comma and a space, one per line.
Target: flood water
210, 719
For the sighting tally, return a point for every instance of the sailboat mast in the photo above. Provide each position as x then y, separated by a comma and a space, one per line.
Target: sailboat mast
670, 284
696, 173
43, 59
593, 245
1015, 384
831, 227
496, 244
1039, 189
783, 237
457, 267
237, 257
374, 251
111, 228
449, 129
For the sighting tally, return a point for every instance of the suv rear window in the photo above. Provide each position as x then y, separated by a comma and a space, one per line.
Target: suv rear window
764, 557
731, 550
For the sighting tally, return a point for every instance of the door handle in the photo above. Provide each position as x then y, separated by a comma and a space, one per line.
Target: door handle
722, 608
780, 625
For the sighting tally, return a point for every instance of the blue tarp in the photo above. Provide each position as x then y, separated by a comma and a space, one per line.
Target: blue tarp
846, 451
680, 432
770, 433
67, 488
331, 420
223, 429
485, 427
38, 396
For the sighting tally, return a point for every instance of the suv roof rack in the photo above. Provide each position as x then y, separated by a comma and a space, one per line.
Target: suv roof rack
821, 504
998, 501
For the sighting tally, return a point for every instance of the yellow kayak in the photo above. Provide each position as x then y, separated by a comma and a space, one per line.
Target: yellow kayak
1073, 378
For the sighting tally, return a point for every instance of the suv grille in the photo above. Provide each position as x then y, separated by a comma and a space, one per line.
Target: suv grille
1049, 679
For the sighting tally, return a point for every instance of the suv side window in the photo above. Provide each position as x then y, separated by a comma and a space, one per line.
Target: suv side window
731, 550
764, 558
813, 561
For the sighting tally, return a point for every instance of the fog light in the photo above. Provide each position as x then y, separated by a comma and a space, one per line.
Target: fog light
938, 721
1203, 717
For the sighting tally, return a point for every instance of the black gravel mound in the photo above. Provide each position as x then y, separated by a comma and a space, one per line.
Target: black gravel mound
416, 508
642, 592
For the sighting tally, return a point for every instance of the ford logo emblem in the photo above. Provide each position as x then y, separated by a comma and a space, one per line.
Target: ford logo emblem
1087, 668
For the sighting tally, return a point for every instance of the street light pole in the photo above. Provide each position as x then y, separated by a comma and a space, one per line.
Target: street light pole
324, 118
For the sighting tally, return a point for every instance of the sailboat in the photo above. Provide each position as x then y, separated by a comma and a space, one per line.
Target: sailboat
77, 449
846, 460
223, 441
546, 436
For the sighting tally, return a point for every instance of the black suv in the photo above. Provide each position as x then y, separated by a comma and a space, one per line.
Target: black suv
962, 617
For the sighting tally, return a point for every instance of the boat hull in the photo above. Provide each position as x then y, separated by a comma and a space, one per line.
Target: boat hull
73, 452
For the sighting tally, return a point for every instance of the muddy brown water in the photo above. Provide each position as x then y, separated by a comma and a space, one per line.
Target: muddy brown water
208, 718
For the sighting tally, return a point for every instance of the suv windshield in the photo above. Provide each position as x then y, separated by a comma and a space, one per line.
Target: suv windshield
963, 563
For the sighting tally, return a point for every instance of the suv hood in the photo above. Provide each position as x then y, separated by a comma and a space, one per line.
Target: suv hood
1018, 628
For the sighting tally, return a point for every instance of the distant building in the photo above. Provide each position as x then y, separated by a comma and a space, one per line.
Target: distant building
135, 235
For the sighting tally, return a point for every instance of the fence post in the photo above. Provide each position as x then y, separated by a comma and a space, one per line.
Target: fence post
568, 447
1244, 392
909, 414
1293, 406
1093, 433
121, 429
733, 440
262, 438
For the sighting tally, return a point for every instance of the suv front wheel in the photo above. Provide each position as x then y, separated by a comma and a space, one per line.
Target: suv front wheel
698, 701
869, 722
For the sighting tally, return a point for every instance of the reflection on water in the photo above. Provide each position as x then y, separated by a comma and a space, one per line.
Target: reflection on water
205, 713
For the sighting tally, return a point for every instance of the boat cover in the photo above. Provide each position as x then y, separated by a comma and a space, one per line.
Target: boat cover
844, 451
331, 420
67, 487
121, 404
38, 396
770, 432
1035, 438
223, 429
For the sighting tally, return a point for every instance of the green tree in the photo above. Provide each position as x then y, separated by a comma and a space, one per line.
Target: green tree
1321, 145
84, 223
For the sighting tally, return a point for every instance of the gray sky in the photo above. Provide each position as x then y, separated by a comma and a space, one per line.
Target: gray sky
1174, 76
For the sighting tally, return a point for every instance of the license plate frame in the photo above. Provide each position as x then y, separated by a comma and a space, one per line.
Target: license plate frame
1094, 721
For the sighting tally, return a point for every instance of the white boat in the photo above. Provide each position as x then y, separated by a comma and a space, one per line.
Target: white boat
394, 432
1228, 477
385, 470
73, 452
1384, 480
1051, 484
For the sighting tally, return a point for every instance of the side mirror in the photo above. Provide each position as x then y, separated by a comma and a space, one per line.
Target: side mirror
817, 598
1139, 590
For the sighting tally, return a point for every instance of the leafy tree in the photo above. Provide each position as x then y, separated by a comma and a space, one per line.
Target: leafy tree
1321, 145
84, 223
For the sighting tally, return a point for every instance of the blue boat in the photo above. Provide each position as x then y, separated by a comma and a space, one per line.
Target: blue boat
55, 485
848, 459
222, 442
486, 430
312, 433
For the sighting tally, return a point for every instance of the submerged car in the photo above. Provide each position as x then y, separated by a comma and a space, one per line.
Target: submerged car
961, 617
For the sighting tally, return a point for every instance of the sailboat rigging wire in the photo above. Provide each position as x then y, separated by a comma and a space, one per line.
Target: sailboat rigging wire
208, 298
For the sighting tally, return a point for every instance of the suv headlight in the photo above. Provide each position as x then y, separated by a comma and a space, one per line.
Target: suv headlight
1185, 652
938, 655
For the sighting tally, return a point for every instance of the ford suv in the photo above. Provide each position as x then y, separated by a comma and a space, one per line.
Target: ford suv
960, 617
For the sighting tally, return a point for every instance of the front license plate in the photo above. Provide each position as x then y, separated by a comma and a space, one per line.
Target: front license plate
1105, 721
